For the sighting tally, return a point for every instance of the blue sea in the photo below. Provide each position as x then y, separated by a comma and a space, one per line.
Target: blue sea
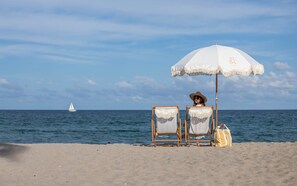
134, 126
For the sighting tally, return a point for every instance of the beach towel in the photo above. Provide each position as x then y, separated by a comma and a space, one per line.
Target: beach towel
223, 136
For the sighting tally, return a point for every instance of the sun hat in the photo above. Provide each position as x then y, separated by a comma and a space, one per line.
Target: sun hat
198, 94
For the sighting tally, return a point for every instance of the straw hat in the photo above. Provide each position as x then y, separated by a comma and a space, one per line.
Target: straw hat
198, 94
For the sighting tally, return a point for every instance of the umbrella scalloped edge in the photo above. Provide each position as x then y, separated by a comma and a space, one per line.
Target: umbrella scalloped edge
194, 72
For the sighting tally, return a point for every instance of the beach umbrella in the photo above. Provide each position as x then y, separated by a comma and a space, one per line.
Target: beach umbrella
216, 60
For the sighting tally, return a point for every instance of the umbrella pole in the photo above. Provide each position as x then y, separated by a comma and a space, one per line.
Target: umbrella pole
217, 112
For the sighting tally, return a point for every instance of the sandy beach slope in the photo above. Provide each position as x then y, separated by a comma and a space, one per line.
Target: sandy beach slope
121, 164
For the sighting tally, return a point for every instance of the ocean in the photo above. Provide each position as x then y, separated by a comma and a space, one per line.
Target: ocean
134, 126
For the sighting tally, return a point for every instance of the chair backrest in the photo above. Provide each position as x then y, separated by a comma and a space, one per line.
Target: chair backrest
166, 119
199, 119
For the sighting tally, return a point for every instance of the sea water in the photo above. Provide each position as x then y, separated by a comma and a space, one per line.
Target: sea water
134, 126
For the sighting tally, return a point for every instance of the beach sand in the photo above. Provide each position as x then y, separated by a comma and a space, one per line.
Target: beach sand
122, 164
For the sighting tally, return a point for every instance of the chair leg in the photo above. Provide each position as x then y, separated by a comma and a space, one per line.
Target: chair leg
197, 143
153, 132
154, 141
187, 136
210, 141
180, 136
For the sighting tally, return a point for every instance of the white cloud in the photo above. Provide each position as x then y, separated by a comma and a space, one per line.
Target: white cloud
280, 84
281, 66
137, 98
266, 82
291, 74
126, 20
284, 93
60, 35
147, 81
284, 80
4, 81
10, 89
272, 75
124, 85
75, 31
91, 82
234, 91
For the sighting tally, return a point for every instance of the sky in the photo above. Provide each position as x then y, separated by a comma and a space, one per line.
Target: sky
118, 54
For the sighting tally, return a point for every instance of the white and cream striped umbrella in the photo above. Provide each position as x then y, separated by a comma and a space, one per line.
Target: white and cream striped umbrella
217, 59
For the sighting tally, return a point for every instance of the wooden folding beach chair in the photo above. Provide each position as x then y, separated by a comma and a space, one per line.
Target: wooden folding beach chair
166, 124
199, 125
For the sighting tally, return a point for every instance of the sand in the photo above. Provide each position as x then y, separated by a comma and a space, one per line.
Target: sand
122, 164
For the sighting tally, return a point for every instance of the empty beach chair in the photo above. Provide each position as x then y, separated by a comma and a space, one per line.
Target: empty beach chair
199, 125
166, 124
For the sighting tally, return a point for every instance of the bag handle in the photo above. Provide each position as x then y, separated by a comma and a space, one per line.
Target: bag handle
223, 125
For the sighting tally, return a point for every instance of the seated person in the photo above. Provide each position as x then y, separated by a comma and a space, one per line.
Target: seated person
198, 99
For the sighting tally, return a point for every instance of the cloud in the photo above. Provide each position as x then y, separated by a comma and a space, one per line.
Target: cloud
269, 81
281, 66
137, 98
281, 80
291, 74
281, 84
124, 85
82, 31
126, 21
261, 89
241, 91
105, 32
10, 89
46, 94
142, 89
3, 81
91, 82
80, 92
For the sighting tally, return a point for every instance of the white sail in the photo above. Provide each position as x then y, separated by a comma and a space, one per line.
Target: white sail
71, 108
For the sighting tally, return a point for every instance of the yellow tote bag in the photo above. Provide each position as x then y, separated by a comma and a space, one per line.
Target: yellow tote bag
223, 136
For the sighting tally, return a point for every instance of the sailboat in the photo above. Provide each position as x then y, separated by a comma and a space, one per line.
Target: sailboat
71, 108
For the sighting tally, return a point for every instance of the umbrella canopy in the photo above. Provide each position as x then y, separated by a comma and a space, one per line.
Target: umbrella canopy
217, 59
